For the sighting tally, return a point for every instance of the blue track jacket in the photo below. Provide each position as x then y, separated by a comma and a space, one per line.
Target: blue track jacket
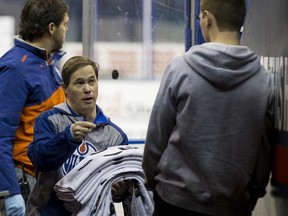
30, 84
54, 152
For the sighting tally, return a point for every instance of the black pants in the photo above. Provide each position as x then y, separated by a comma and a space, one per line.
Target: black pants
163, 208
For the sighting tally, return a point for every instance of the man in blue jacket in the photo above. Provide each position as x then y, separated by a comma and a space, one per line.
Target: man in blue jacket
30, 84
68, 133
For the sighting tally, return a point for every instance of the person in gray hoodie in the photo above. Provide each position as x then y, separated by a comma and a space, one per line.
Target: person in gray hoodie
207, 149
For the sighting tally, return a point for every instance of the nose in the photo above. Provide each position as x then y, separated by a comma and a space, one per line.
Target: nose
87, 88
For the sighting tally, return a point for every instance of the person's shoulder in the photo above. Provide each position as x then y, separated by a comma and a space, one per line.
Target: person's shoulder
49, 113
11, 57
193, 51
117, 127
15, 59
11, 65
267, 73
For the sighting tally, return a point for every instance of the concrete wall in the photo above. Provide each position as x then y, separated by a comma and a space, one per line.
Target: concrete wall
266, 27
266, 32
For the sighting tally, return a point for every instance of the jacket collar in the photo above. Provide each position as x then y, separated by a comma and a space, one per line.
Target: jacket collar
42, 53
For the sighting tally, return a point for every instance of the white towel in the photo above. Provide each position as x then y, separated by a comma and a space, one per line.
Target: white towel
86, 189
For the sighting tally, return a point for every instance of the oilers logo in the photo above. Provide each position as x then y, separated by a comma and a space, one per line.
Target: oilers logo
85, 148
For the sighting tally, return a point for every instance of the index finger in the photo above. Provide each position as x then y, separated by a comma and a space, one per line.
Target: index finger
88, 125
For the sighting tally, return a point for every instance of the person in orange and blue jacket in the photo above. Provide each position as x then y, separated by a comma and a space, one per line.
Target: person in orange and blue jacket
30, 84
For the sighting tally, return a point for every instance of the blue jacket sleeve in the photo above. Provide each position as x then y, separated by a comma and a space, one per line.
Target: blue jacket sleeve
49, 150
13, 94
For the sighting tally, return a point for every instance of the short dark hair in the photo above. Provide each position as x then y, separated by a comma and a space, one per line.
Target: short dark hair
36, 15
229, 14
73, 64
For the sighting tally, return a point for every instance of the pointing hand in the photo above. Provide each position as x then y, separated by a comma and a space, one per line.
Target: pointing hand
81, 129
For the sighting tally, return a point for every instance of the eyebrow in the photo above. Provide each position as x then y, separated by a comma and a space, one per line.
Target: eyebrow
82, 78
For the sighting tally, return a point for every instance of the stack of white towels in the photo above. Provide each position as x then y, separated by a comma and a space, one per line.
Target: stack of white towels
86, 189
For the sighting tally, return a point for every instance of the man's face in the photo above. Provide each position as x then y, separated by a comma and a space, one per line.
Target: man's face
60, 33
82, 92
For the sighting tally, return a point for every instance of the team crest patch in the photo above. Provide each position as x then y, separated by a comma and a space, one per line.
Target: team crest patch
84, 149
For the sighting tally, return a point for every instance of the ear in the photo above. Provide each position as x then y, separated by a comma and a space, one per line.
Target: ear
211, 19
208, 18
51, 28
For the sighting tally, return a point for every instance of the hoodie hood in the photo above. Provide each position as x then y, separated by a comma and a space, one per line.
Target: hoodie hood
223, 65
